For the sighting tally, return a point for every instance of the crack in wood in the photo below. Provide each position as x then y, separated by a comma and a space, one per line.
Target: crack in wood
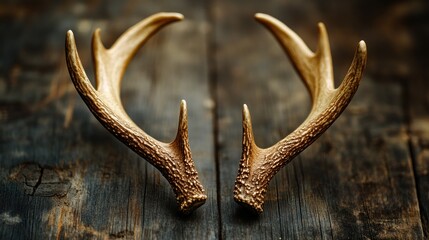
39, 180
42, 181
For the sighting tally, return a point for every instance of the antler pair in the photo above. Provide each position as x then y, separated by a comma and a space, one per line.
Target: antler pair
174, 159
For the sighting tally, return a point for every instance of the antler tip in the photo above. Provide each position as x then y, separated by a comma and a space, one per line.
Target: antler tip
321, 25
70, 42
260, 15
69, 35
97, 32
247, 119
322, 29
183, 107
179, 16
183, 118
362, 46
247, 124
264, 18
246, 113
97, 44
171, 15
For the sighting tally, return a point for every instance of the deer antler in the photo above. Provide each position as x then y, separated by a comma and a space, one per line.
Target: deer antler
258, 166
173, 159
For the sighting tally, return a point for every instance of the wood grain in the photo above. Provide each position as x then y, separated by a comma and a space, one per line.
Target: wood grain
63, 176
344, 185
417, 101
111, 192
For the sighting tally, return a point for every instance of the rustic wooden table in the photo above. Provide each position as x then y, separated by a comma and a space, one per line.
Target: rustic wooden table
63, 176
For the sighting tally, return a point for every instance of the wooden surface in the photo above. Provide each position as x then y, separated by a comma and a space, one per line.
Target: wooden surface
63, 176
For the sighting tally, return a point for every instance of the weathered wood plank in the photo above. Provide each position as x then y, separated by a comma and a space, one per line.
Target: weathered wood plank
357, 180
416, 82
421, 169
32, 119
62, 174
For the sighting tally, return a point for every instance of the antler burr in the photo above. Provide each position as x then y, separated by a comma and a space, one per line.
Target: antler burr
257, 165
173, 159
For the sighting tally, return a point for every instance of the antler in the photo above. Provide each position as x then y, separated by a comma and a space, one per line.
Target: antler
173, 159
258, 166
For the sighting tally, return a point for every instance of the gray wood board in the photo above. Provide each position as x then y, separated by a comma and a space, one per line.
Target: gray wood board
356, 181
417, 100
63, 176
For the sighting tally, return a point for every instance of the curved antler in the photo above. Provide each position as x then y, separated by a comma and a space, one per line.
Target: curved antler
258, 166
173, 159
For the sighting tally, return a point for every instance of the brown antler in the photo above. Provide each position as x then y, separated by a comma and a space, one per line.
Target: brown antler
173, 159
257, 165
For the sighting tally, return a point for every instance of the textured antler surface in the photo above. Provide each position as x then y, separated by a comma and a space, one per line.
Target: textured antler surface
173, 159
257, 165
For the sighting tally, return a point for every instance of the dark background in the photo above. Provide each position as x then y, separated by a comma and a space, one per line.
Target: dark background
63, 176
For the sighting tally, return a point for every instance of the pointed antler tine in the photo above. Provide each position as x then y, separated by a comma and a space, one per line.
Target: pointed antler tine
258, 166
247, 127
183, 120
75, 67
355, 72
325, 60
110, 64
250, 150
173, 160
298, 52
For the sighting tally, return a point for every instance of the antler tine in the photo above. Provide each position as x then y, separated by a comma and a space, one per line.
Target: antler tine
310, 66
258, 166
110, 64
173, 159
